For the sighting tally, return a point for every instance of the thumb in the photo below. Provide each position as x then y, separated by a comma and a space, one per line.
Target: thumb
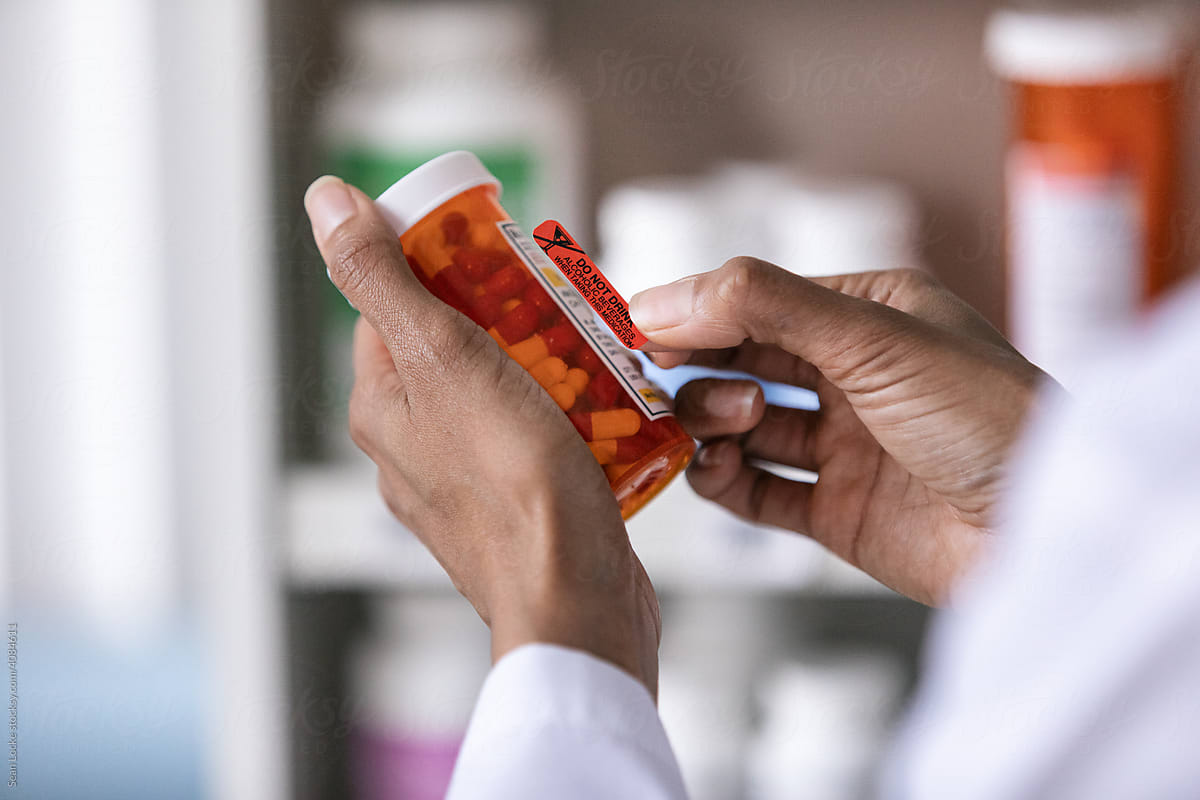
366, 263
751, 299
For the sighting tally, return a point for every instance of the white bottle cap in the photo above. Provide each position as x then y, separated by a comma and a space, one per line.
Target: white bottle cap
1082, 48
388, 40
419, 192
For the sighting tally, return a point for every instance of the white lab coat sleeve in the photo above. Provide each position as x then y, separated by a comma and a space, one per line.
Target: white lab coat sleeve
552, 722
1068, 665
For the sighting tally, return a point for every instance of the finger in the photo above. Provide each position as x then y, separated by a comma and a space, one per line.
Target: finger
844, 337
784, 436
761, 360
371, 357
668, 359
377, 388
710, 407
365, 262
719, 474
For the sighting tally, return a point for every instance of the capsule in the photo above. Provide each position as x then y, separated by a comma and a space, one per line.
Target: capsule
564, 395
588, 361
562, 339
454, 228
549, 371
541, 301
452, 284
485, 310
614, 471
577, 379
620, 451
518, 323
603, 390
612, 424
506, 282
529, 351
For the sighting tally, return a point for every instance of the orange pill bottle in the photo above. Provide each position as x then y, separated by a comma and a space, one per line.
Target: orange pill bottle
468, 252
1090, 172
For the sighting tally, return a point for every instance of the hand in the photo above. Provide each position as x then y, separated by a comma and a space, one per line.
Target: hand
478, 461
920, 399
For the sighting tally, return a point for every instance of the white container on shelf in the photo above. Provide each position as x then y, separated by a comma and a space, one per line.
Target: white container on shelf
827, 226
824, 719
714, 645
426, 79
413, 685
422, 80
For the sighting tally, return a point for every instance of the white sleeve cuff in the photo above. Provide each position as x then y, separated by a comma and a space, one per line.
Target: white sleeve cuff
556, 722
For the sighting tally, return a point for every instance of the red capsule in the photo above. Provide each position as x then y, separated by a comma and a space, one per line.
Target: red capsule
454, 228
562, 339
603, 391
419, 271
506, 282
453, 287
586, 359
485, 310
518, 324
480, 263
542, 301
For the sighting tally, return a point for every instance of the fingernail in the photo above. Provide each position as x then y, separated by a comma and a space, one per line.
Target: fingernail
663, 306
709, 456
733, 401
329, 204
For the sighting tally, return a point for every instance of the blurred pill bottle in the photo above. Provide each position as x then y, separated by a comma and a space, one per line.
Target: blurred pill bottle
413, 684
418, 80
1090, 172
462, 244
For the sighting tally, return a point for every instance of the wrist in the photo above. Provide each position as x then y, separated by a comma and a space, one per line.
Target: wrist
578, 586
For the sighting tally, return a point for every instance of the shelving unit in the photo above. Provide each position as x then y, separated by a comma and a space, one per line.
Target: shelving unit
341, 537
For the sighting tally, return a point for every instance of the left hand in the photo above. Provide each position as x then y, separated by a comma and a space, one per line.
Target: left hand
477, 459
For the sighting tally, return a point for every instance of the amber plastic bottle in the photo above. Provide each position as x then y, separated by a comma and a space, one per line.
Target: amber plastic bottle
1090, 173
468, 252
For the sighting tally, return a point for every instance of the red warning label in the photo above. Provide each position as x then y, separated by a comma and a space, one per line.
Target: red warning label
587, 279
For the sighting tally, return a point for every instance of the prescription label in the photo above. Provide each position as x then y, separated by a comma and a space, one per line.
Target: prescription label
646, 396
1076, 244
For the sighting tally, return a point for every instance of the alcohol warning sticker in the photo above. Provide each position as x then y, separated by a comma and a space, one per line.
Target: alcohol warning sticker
587, 279
620, 362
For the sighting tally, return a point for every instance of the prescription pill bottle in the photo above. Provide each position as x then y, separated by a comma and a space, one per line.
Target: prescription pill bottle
1089, 176
466, 249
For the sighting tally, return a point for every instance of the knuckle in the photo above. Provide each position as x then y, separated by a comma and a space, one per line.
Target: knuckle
356, 260
913, 278
737, 278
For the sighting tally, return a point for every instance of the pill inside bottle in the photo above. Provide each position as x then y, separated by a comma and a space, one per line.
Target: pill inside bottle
467, 251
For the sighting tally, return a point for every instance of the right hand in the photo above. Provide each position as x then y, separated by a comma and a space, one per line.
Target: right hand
921, 400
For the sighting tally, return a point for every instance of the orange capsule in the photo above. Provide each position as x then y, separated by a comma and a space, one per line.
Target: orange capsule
614, 471
577, 379
604, 450
563, 394
529, 351
623, 451
615, 423
549, 371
